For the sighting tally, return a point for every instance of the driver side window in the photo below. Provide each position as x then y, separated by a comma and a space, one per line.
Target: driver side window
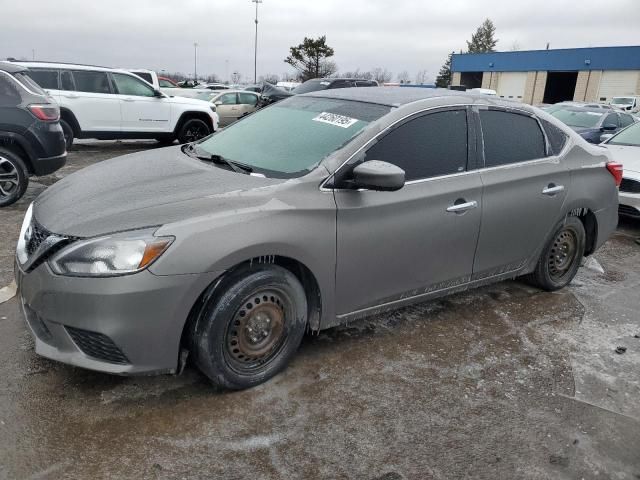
128, 85
428, 146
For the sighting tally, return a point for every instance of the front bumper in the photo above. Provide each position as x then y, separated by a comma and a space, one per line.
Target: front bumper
124, 325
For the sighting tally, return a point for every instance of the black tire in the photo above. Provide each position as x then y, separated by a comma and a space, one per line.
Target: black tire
14, 177
193, 129
68, 133
561, 257
249, 331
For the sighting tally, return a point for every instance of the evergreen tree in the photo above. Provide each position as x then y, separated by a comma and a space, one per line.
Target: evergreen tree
483, 41
443, 80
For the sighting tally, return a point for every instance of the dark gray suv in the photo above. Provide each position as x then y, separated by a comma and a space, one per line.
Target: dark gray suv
320, 209
31, 139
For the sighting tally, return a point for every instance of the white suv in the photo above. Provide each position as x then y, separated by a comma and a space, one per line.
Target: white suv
105, 103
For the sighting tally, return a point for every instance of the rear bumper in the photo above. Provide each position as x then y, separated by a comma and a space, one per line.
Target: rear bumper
607, 221
45, 166
629, 204
123, 325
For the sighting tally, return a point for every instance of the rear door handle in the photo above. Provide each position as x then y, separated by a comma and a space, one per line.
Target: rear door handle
462, 207
129, 99
552, 189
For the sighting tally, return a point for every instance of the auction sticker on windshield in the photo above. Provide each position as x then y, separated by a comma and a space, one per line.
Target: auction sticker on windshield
334, 119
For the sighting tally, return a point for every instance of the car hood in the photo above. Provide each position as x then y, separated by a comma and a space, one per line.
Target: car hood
145, 189
629, 157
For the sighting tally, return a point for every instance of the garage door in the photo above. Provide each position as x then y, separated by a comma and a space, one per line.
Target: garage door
617, 82
511, 85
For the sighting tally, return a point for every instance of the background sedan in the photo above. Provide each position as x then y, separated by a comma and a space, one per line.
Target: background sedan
591, 123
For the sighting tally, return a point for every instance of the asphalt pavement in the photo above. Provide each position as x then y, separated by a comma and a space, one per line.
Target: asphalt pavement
506, 381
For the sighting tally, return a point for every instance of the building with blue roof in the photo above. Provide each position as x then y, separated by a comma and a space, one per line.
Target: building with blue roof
549, 76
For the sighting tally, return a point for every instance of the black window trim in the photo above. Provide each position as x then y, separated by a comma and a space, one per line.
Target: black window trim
73, 80
480, 137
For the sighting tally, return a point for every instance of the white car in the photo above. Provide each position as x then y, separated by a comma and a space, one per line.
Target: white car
105, 103
625, 149
630, 103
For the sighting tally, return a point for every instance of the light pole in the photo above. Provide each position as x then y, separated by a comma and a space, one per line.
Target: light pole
195, 62
255, 55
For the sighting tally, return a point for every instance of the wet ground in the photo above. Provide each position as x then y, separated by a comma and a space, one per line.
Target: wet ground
502, 382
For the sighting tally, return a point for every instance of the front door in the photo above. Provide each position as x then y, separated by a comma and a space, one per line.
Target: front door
417, 240
524, 191
142, 110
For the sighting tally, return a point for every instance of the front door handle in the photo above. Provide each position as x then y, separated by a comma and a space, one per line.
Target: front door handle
71, 95
129, 99
552, 189
462, 207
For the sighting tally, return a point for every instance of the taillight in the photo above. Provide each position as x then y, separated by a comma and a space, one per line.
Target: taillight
615, 169
47, 112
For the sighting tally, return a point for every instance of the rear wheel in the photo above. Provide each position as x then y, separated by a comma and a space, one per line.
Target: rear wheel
561, 257
14, 178
68, 133
250, 331
192, 130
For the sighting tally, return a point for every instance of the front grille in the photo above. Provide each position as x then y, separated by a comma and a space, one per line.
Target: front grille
97, 345
38, 236
627, 210
630, 186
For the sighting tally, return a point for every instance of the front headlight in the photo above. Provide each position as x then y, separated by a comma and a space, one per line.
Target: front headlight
25, 236
113, 255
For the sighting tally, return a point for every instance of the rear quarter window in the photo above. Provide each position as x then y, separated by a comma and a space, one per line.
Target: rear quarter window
557, 138
45, 78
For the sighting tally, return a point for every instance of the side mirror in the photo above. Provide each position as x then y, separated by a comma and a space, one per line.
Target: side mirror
606, 136
607, 127
378, 175
218, 103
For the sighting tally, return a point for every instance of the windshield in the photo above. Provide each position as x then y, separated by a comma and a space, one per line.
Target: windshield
311, 86
629, 137
622, 101
577, 118
290, 138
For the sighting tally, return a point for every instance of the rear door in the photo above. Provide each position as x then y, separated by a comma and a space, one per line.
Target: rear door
227, 108
92, 101
422, 238
524, 188
142, 110
247, 103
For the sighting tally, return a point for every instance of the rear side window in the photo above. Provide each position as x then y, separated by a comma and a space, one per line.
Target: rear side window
9, 92
66, 80
625, 120
248, 99
45, 78
611, 119
91, 82
510, 138
557, 138
427, 146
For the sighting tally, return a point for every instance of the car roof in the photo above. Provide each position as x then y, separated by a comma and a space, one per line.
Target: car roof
398, 96
10, 67
601, 111
73, 66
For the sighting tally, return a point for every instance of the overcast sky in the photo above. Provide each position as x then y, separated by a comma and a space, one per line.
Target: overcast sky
409, 35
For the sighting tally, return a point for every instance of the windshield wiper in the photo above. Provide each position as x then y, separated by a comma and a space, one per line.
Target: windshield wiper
191, 150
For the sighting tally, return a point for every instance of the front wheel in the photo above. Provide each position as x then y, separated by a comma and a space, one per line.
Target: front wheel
250, 331
192, 130
14, 178
68, 133
560, 259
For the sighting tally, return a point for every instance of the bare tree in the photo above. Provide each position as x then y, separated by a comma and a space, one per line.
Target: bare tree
403, 77
381, 75
421, 77
269, 78
236, 77
212, 78
515, 46
358, 74
327, 69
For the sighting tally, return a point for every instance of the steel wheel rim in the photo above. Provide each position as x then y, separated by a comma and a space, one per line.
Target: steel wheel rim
257, 331
563, 254
195, 132
9, 178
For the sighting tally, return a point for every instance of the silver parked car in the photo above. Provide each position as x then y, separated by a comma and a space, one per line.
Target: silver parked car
320, 209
